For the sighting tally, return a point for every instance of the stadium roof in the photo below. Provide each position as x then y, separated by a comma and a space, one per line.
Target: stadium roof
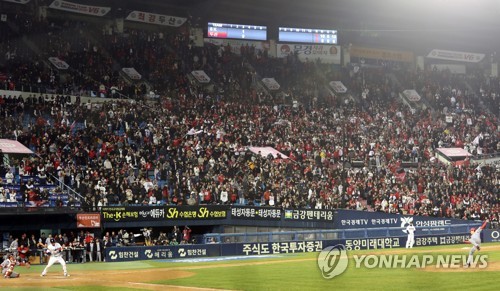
458, 25
443, 24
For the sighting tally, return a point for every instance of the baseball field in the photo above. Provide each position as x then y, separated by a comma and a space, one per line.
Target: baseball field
279, 272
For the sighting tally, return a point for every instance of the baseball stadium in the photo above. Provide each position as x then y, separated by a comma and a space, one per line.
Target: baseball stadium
249, 145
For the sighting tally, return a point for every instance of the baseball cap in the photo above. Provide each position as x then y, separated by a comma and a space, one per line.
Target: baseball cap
52, 240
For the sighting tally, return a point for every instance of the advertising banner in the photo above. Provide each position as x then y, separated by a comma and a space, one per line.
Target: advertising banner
80, 8
352, 219
397, 242
162, 213
329, 54
8, 204
121, 254
88, 220
132, 213
249, 212
381, 54
272, 248
455, 56
491, 235
309, 214
159, 19
196, 212
18, 1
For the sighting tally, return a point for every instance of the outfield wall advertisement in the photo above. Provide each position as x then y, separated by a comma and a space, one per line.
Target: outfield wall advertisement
159, 213
119, 254
349, 219
375, 222
491, 235
252, 212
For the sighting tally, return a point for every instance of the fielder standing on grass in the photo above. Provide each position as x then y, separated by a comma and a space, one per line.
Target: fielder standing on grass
475, 240
410, 229
55, 250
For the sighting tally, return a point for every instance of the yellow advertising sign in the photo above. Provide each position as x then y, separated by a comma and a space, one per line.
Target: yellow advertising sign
382, 54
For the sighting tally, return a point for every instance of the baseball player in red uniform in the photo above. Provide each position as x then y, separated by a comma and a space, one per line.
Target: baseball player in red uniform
55, 250
8, 267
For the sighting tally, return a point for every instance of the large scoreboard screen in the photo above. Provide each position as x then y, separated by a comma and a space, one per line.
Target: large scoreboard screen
307, 35
237, 31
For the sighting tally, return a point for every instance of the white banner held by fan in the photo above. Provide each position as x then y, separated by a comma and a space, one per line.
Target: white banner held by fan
271, 83
80, 8
456, 56
412, 95
58, 63
338, 87
132, 73
153, 18
201, 76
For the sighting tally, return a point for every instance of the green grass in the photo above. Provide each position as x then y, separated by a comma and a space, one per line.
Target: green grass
301, 272
305, 275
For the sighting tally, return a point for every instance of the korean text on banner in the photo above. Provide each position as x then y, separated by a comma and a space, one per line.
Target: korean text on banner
79, 8
158, 19
456, 56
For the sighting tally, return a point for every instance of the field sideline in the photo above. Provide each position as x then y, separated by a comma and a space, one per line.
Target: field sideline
281, 272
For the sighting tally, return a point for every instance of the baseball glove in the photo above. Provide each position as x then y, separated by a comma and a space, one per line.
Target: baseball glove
478, 248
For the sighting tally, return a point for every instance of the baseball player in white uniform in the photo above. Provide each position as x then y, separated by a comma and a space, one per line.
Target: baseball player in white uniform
475, 240
410, 229
55, 250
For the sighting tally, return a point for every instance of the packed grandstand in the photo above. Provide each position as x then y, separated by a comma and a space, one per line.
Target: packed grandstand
104, 136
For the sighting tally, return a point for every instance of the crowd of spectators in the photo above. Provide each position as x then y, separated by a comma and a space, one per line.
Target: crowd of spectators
27, 247
190, 145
